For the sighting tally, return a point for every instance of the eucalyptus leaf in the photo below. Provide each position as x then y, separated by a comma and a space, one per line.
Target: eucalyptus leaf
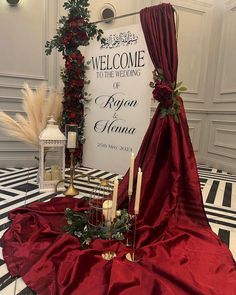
183, 88
176, 118
179, 84
163, 112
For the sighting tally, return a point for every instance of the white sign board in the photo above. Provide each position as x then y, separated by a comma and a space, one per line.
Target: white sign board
119, 111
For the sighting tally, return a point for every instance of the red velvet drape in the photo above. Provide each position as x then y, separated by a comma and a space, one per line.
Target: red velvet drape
159, 31
171, 189
180, 255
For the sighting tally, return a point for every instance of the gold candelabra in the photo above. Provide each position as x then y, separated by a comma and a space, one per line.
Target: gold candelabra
132, 256
109, 255
128, 243
71, 191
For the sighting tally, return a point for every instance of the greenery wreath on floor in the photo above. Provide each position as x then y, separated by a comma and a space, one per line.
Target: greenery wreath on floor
73, 32
78, 226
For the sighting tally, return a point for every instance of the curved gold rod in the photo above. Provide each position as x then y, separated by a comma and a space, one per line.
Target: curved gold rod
103, 182
134, 13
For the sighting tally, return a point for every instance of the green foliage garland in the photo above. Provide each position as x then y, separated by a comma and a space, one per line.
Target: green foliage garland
77, 225
73, 32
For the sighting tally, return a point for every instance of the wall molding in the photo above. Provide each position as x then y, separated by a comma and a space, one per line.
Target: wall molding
221, 144
210, 112
223, 63
20, 87
222, 154
45, 65
18, 149
217, 163
196, 127
213, 143
204, 112
194, 100
11, 99
23, 76
13, 111
224, 100
228, 91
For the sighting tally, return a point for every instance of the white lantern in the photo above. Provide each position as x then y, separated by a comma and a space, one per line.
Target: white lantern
51, 157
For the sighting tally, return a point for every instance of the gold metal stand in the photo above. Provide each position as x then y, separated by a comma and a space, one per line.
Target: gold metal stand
132, 256
109, 255
128, 242
71, 190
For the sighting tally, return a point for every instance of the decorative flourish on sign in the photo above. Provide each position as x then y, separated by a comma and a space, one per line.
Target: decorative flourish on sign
74, 31
167, 94
118, 40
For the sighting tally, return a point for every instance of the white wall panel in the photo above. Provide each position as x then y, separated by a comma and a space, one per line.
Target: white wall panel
22, 55
195, 132
222, 138
226, 70
24, 30
193, 44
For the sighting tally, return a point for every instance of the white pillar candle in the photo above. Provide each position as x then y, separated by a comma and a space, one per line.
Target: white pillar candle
71, 140
114, 198
106, 209
138, 191
131, 175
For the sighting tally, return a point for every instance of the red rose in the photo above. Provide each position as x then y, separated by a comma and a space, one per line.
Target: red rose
73, 23
78, 71
80, 58
77, 83
72, 115
163, 92
74, 56
82, 36
81, 22
74, 83
81, 82
77, 56
68, 65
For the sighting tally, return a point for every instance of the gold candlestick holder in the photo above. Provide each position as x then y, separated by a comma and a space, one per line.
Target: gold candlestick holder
128, 242
109, 255
132, 256
71, 191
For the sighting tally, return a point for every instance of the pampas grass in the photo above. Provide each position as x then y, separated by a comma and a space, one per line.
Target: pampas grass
38, 107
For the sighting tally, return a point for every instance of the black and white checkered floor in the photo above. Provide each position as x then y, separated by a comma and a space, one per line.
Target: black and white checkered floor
18, 187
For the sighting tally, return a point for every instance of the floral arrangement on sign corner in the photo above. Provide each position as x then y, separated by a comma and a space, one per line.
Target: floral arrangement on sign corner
167, 94
78, 226
37, 106
73, 32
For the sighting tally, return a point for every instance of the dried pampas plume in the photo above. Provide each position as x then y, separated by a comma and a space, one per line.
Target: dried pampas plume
38, 107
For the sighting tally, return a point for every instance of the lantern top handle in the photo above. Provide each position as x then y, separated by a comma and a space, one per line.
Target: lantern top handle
51, 132
51, 120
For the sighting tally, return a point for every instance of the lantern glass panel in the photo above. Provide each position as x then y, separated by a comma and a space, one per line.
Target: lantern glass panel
53, 164
72, 136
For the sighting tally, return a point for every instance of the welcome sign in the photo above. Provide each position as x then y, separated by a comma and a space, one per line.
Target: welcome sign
119, 111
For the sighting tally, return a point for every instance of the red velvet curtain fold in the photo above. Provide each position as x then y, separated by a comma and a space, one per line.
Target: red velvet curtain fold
170, 179
159, 31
